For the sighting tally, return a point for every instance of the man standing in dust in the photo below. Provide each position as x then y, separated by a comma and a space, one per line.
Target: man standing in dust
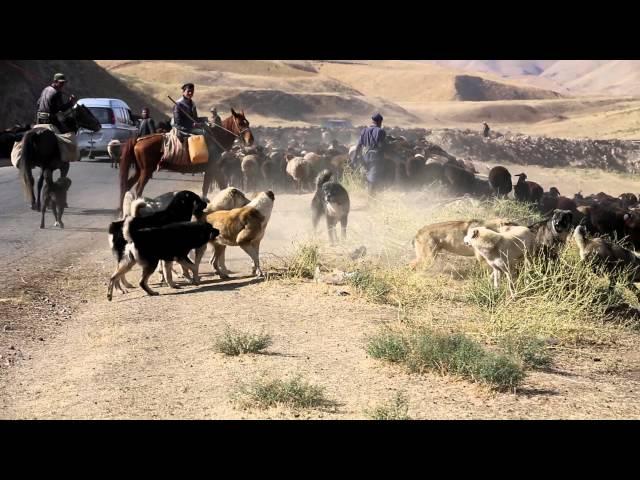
371, 144
486, 130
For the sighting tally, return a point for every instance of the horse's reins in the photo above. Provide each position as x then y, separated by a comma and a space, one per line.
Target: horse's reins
235, 120
207, 128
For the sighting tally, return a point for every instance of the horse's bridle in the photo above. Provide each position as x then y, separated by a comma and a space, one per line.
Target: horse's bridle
239, 135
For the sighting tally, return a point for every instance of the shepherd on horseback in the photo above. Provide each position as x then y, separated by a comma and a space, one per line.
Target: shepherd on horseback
185, 114
51, 144
155, 152
50, 103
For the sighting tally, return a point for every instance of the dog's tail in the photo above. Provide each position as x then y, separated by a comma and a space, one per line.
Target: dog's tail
579, 235
137, 205
126, 231
126, 204
323, 177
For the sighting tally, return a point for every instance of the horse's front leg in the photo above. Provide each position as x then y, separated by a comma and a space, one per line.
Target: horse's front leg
31, 183
206, 183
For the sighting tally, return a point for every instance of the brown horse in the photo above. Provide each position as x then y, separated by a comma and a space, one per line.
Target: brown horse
145, 153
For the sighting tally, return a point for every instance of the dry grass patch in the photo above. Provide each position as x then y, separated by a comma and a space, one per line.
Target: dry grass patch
236, 342
422, 349
395, 409
564, 300
295, 393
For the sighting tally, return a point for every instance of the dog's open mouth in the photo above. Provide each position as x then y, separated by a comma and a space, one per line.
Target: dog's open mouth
562, 224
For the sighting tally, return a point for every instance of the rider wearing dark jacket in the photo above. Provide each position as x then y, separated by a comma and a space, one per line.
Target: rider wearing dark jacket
50, 102
146, 126
185, 108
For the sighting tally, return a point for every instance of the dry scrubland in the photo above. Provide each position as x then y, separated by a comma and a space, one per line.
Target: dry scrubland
389, 344
449, 319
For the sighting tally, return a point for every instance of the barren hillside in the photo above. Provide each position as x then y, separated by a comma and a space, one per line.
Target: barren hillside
305, 91
575, 77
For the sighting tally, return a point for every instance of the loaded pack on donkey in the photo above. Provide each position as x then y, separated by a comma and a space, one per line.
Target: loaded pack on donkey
51, 143
190, 147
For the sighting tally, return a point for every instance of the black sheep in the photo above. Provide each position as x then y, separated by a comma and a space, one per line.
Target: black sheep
526, 191
462, 181
500, 181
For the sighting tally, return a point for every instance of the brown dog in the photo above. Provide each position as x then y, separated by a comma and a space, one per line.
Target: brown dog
449, 236
243, 227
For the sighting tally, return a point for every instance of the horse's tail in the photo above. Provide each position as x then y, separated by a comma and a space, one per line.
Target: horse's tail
127, 157
27, 162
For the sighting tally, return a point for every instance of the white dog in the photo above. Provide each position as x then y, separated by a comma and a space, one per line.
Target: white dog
501, 250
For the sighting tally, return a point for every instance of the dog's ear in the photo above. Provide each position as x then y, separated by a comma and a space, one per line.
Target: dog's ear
475, 233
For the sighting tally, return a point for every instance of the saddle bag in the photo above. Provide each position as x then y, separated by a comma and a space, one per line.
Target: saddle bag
198, 152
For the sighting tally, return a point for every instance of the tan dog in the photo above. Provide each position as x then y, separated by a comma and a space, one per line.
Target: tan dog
449, 236
501, 250
226, 199
242, 227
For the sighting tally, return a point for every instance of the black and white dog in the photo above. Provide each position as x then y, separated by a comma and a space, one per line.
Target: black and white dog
552, 232
181, 207
331, 200
150, 244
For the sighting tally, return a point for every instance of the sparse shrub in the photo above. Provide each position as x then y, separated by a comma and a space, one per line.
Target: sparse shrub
236, 342
396, 409
422, 349
388, 346
498, 371
371, 283
292, 393
303, 262
531, 350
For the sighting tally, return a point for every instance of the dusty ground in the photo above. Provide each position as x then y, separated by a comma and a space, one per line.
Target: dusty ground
69, 353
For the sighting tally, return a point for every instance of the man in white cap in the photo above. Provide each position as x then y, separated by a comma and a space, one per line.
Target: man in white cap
486, 130
215, 118
50, 102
